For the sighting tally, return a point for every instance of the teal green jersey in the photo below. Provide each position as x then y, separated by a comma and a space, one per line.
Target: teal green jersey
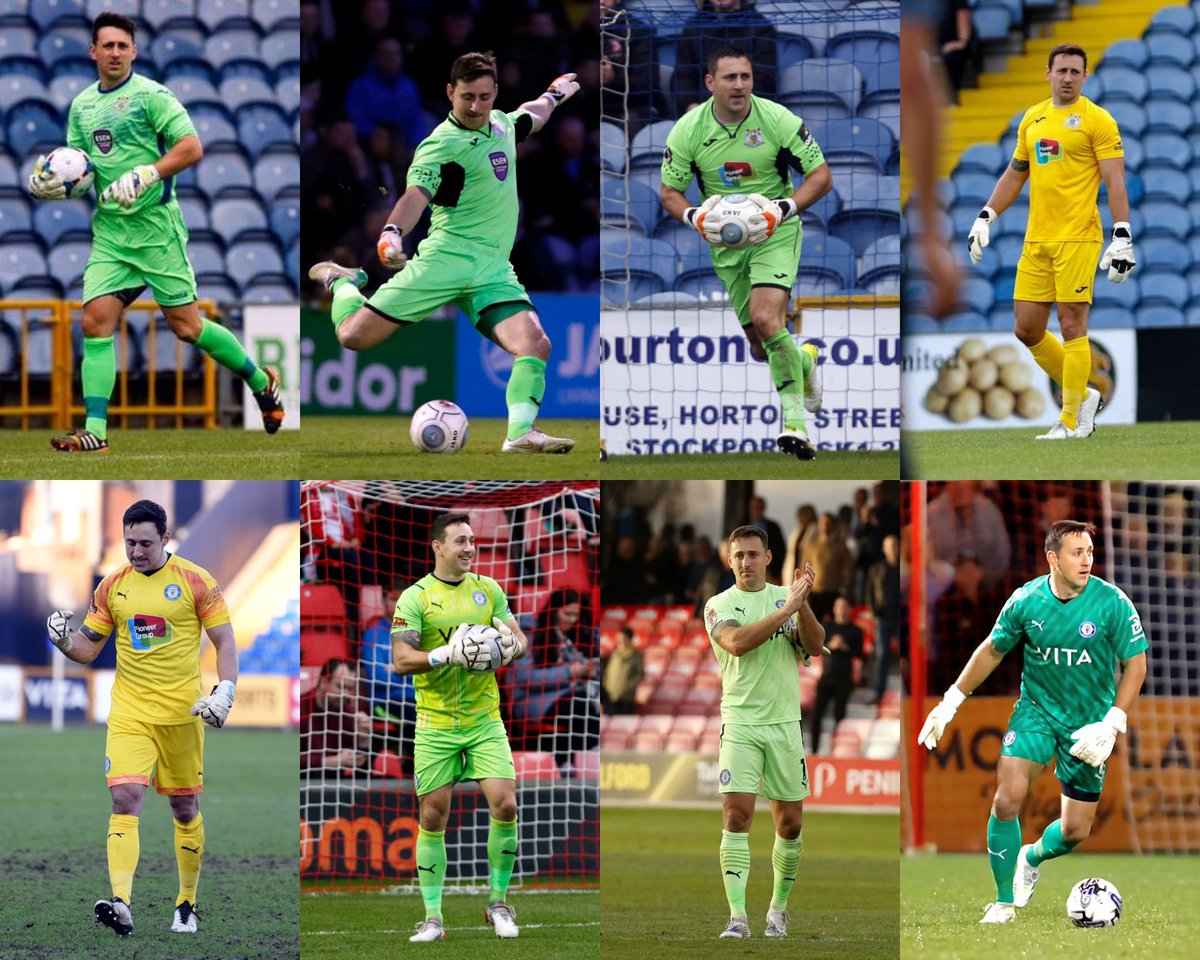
754, 156
132, 124
762, 686
1071, 649
471, 179
450, 698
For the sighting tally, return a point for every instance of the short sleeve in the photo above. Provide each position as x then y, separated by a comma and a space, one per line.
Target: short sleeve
799, 142
1006, 633
75, 137
522, 123
1020, 153
211, 608
426, 168
99, 617
408, 615
717, 612
1127, 629
1106, 140
500, 608
677, 161
169, 117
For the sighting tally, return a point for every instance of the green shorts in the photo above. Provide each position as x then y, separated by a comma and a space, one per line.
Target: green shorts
770, 264
772, 753
1032, 736
117, 268
451, 756
486, 288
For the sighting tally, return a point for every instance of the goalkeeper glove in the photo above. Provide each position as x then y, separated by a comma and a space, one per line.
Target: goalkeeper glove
214, 708
562, 89
1094, 742
769, 215
705, 221
452, 652
940, 716
131, 185
1118, 259
391, 248
510, 646
979, 236
58, 629
44, 185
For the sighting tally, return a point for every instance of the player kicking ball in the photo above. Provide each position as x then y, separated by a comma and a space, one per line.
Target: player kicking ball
1075, 628
737, 143
467, 170
124, 123
1075, 145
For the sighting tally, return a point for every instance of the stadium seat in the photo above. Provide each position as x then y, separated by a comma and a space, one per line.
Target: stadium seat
287, 95
285, 221
291, 260
535, 765
1181, 20
213, 128
628, 204
703, 285
63, 43
871, 45
1122, 81
881, 260
860, 227
225, 46
1128, 53
1131, 117
214, 13
216, 286
157, 13
63, 89
192, 89
1159, 315
317, 646
613, 146
1166, 252
973, 187
177, 44
1123, 295
15, 217
223, 170
1170, 80
809, 34
279, 47
1165, 217
992, 21
246, 261
17, 40
648, 144
52, 220
834, 255
233, 217
275, 172
67, 263
1169, 47
18, 88
883, 106
195, 211
880, 78
976, 294
1168, 148
845, 139
237, 91
262, 125
206, 256
1164, 287
840, 78
1166, 115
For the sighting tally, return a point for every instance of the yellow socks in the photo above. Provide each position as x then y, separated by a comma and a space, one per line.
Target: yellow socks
189, 851
1049, 356
123, 850
1076, 367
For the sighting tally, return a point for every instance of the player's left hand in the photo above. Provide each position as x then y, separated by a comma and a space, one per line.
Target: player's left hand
562, 89
391, 248
1118, 259
58, 629
706, 220
769, 215
44, 185
1094, 742
214, 708
510, 646
131, 185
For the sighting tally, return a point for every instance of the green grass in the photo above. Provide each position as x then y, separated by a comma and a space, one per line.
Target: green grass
367, 447
1141, 451
944, 897
228, 454
663, 896
554, 924
54, 809
839, 465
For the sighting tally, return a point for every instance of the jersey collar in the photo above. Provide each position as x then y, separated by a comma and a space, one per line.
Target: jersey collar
731, 130
486, 129
450, 583
105, 93
153, 572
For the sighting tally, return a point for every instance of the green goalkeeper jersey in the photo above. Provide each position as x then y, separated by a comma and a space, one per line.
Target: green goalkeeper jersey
471, 178
762, 686
450, 698
1072, 648
754, 156
132, 124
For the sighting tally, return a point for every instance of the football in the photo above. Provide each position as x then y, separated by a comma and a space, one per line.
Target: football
1094, 903
74, 167
439, 426
734, 211
481, 646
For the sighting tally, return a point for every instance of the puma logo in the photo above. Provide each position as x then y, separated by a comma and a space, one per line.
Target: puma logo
195, 850
1038, 624
780, 276
116, 834
997, 853
734, 873
511, 853
120, 594
740, 610
420, 868
434, 603
784, 385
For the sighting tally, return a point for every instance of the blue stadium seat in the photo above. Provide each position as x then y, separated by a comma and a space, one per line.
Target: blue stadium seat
1131, 117
64, 89
628, 204
704, 285
16, 218
819, 213
193, 89
1165, 217
1166, 115
834, 255
287, 94
976, 294
275, 172
991, 21
1193, 279
234, 216
1165, 47
292, 261
285, 221
131, 8
1123, 81
648, 144
881, 77
216, 286
1128, 53
177, 44
817, 106
1159, 315
870, 192
18, 87
861, 227
1164, 286
831, 75
1181, 20
1171, 80
881, 259
270, 14
221, 170
279, 48
34, 126
793, 47
195, 211
45, 12
1124, 295
892, 167
238, 91
842, 139
158, 12
17, 40
213, 125
68, 261
1168, 148
673, 299
1164, 251
1093, 88
976, 187
883, 106
863, 46
229, 45
246, 261
1109, 318
809, 33
52, 220
613, 146
269, 291
262, 125
30, 67
213, 13
983, 158
63, 44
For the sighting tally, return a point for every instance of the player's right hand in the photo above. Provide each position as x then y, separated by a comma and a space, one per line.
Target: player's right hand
705, 220
58, 629
1118, 259
510, 646
44, 185
979, 237
939, 718
391, 248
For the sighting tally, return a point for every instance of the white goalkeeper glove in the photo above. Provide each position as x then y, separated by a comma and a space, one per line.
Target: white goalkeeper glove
58, 629
1118, 259
705, 221
44, 185
214, 708
510, 646
451, 653
1094, 742
980, 234
562, 89
940, 716
769, 215
391, 248
131, 185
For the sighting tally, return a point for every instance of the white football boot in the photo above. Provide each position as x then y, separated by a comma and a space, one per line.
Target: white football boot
428, 930
1085, 423
534, 441
504, 918
1000, 913
777, 923
327, 271
1060, 431
185, 919
795, 443
812, 382
1025, 878
738, 929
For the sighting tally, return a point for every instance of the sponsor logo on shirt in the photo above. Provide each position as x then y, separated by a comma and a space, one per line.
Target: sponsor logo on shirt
1048, 151
103, 140
107, 764
725, 777
711, 616
173, 591
1010, 738
147, 631
499, 164
731, 173
667, 155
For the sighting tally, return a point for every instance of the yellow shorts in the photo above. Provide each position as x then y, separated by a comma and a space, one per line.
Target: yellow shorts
1059, 272
133, 749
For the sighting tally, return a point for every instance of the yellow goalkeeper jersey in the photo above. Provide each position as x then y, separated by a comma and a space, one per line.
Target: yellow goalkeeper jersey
1063, 146
157, 619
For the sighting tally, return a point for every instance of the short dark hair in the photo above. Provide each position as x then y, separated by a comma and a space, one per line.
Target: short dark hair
720, 53
472, 66
440, 523
108, 18
749, 530
627, 632
330, 666
146, 511
1067, 50
1062, 529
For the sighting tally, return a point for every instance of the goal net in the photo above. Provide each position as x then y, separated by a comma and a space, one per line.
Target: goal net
364, 543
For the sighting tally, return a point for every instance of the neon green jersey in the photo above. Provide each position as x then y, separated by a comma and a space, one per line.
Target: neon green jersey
449, 698
762, 686
1072, 648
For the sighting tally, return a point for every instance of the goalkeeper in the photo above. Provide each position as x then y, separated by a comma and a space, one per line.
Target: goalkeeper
466, 168
157, 604
460, 735
735, 142
138, 137
1074, 628
1076, 145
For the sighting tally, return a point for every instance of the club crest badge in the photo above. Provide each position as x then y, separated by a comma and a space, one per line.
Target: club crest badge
1073, 121
479, 597
103, 139
499, 164
173, 591
1087, 629
754, 137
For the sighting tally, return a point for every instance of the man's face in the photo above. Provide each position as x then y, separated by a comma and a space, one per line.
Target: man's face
471, 101
1073, 560
828, 525
731, 85
457, 550
1066, 75
749, 558
144, 548
114, 53
342, 684
757, 508
841, 610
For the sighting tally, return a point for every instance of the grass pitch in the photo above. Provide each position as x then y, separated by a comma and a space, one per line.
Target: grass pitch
828, 465
54, 810
944, 896
1140, 451
555, 925
663, 896
367, 447
168, 454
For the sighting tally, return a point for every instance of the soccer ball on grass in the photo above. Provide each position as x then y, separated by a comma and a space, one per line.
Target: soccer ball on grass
1094, 903
439, 426
74, 167
481, 647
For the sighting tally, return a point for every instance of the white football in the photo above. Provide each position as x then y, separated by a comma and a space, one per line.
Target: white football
734, 210
1094, 903
481, 647
439, 426
73, 167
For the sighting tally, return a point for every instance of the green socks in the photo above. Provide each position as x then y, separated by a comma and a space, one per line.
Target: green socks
431, 869
526, 386
787, 373
785, 859
1051, 844
1003, 845
346, 299
223, 347
502, 857
735, 870
99, 373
